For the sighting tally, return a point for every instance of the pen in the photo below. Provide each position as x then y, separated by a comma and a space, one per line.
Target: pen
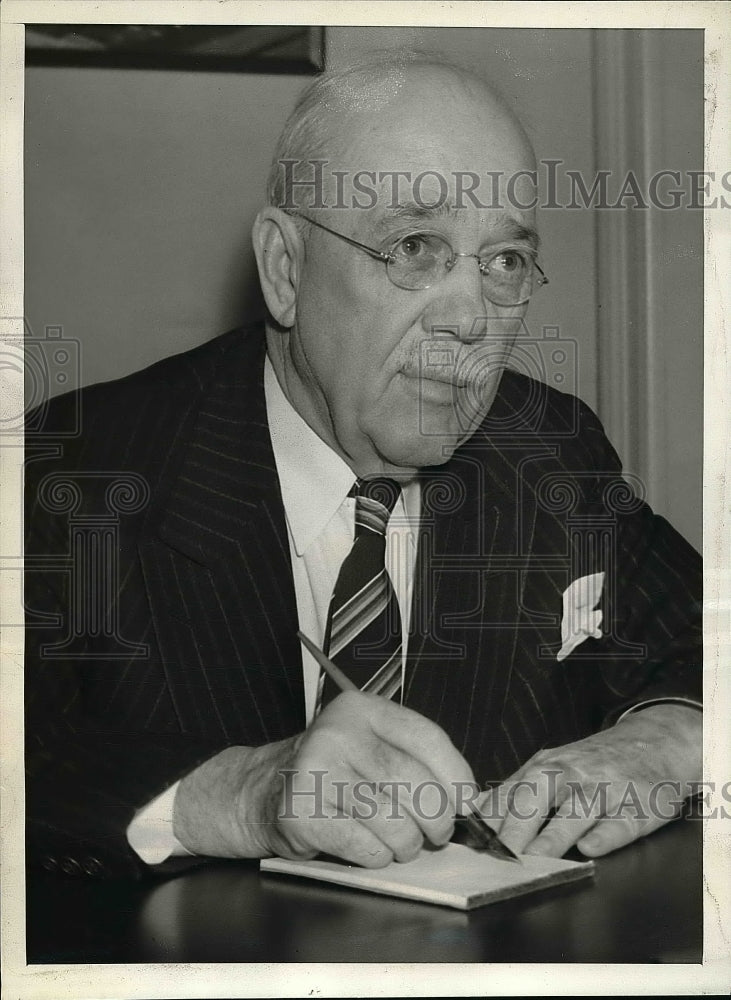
487, 839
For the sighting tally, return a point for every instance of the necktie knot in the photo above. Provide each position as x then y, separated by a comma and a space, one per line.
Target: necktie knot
375, 500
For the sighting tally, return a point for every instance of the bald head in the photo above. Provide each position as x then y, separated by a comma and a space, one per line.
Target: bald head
344, 116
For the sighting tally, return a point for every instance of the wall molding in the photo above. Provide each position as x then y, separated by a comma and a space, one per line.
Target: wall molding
621, 247
648, 117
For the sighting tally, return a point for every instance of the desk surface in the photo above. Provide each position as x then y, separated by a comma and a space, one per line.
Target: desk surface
644, 905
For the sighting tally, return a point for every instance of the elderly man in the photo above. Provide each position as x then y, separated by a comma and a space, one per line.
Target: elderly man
456, 536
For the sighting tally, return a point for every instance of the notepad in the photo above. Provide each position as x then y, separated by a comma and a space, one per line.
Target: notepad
454, 875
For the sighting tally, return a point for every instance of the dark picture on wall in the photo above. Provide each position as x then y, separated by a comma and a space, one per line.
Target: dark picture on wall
228, 48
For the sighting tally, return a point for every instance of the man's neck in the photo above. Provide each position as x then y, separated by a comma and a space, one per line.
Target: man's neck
317, 419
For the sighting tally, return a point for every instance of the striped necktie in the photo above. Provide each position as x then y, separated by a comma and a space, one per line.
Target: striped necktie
363, 634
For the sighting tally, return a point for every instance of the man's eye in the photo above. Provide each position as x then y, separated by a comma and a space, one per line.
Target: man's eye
508, 262
411, 246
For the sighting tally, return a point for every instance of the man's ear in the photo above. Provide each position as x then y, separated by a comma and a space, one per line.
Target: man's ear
278, 249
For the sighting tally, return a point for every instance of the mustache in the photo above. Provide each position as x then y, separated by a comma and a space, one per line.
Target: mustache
460, 365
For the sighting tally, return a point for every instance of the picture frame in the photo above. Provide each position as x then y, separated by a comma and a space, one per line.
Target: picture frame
242, 48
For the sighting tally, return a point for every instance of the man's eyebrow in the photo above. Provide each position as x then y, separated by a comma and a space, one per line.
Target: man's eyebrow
505, 227
411, 211
510, 229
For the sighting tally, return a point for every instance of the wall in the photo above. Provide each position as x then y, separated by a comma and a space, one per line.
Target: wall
649, 323
141, 188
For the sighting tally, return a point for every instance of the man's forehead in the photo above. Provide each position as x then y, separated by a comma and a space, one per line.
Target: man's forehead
436, 121
437, 139
439, 163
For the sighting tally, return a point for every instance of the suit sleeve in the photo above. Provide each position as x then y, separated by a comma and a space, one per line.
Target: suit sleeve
652, 623
85, 783
101, 740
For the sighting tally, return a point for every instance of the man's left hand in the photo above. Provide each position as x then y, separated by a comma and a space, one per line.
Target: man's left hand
604, 791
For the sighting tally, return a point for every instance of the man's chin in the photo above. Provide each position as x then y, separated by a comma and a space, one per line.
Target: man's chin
427, 431
422, 451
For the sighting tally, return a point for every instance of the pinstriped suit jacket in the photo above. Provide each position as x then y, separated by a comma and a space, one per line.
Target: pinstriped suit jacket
193, 648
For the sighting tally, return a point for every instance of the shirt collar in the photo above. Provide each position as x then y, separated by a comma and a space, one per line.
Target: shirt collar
314, 479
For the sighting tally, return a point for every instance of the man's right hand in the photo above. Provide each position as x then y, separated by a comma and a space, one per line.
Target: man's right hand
248, 802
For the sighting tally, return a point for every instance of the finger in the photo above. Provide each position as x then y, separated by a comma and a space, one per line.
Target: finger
530, 800
492, 804
608, 835
426, 742
314, 814
340, 835
415, 792
387, 819
628, 818
561, 832
614, 832
389, 744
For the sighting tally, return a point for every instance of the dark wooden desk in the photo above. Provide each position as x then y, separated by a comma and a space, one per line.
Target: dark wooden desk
645, 905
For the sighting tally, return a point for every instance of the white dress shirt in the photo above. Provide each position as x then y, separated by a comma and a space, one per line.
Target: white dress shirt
320, 517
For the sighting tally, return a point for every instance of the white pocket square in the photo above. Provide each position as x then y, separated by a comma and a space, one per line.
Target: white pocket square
580, 620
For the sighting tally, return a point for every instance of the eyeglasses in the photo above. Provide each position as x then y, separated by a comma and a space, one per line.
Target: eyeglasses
421, 259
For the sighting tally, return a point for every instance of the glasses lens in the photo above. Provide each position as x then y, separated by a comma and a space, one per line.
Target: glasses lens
508, 277
418, 260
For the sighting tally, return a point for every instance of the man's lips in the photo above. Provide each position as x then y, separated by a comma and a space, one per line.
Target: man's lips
443, 377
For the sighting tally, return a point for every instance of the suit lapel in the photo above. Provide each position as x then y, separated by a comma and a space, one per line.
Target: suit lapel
466, 597
470, 621
217, 567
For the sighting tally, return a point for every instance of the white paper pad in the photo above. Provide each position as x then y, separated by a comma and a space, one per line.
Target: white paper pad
453, 876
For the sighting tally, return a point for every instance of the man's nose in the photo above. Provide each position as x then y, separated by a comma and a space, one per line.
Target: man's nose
457, 305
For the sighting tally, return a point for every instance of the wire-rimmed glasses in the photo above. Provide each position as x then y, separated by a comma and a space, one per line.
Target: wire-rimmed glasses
420, 259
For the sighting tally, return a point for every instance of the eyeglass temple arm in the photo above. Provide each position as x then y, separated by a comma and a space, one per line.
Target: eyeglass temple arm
543, 279
378, 254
